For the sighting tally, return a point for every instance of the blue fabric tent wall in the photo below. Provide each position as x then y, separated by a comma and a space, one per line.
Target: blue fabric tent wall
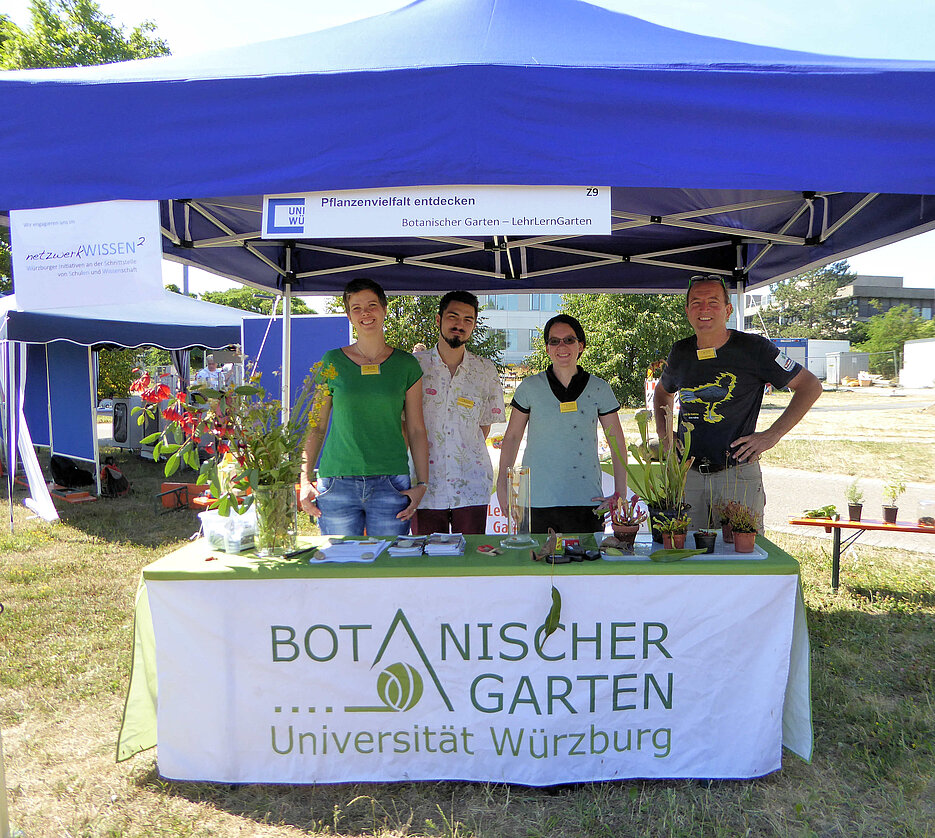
743, 160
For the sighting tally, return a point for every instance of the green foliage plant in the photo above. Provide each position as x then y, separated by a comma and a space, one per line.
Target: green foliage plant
827, 511
854, 494
251, 439
662, 485
892, 489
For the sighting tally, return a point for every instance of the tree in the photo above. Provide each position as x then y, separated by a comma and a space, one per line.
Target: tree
411, 320
807, 306
625, 334
888, 332
115, 372
68, 33
250, 300
73, 33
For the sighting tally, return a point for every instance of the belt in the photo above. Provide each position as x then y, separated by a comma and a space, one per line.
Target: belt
703, 466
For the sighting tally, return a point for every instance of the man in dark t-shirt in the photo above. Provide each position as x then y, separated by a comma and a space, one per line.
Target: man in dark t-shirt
719, 375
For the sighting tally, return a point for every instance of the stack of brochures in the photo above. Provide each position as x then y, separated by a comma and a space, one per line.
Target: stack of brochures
349, 551
407, 545
443, 544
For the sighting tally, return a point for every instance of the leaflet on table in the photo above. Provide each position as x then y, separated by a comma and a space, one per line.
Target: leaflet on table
444, 544
350, 551
407, 545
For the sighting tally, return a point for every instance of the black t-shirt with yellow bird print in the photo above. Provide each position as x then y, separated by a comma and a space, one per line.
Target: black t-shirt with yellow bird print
721, 395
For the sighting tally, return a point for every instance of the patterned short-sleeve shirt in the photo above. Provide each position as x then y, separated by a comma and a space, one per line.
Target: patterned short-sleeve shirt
455, 407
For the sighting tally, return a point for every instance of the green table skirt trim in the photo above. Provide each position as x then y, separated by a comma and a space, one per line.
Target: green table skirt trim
198, 561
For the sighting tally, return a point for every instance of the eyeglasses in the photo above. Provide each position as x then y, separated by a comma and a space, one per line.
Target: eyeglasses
568, 341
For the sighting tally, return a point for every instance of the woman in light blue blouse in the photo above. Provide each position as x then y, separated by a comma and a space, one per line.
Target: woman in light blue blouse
561, 408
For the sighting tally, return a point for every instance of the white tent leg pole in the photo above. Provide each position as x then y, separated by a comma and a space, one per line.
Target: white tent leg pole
287, 336
92, 380
739, 300
7, 389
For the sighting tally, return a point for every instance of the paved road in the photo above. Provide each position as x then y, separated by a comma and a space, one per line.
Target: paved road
789, 492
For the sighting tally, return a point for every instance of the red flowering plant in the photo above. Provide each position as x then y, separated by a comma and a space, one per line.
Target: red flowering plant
252, 446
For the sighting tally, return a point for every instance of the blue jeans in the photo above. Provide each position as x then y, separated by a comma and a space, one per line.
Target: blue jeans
350, 504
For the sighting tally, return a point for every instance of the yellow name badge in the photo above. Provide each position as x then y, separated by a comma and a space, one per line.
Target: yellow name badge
568, 407
370, 369
463, 402
707, 354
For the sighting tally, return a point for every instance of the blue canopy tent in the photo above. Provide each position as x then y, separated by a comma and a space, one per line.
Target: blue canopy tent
750, 162
50, 371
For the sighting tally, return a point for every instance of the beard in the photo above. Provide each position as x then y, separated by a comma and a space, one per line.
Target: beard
454, 341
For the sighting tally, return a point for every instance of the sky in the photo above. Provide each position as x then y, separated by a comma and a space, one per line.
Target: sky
900, 29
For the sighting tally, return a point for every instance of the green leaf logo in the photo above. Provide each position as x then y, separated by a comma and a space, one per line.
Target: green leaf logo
400, 686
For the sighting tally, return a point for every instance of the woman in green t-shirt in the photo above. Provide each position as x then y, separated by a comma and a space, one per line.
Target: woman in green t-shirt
363, 477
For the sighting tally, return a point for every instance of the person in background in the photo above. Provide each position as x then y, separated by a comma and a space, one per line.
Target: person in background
720, 374
419, 347
461, 399
562, 408
363, 479
211, 375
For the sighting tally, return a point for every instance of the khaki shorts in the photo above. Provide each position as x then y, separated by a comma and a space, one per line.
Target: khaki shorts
743, 483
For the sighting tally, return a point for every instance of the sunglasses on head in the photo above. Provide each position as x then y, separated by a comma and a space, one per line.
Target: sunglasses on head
706, 278
568, 341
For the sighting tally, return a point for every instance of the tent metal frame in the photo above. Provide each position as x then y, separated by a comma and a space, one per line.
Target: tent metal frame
510, 260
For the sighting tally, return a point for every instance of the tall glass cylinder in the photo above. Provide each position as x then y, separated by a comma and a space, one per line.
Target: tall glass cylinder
519, 512
275, 519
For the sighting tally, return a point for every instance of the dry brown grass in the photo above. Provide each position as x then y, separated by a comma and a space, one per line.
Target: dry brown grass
64, 665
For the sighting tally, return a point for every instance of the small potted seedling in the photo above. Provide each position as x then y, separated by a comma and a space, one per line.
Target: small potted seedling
891, 491
855, 500
744, 522
673, 529
721, 518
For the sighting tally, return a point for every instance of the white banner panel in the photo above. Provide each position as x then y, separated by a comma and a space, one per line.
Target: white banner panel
409, 211
86, 254
333, 680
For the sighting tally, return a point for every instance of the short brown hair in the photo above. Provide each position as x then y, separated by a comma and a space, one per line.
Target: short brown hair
364, 284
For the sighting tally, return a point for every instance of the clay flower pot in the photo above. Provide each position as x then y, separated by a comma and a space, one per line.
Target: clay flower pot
727, 533
673, 540
626, 535
889, 514
705, 540
662, 513
744, 542
854, 510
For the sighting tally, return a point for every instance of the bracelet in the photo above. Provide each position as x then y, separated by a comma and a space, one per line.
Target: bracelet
422, 483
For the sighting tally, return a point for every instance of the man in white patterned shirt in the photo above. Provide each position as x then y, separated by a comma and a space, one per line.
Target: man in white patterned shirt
461, 399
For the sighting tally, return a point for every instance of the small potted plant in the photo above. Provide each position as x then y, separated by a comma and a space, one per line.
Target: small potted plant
705, 540
720, 518
625, 519
891, 491
673, 529
744, 522
855, 500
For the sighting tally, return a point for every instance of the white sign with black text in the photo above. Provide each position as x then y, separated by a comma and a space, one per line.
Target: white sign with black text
86, 254
410, 211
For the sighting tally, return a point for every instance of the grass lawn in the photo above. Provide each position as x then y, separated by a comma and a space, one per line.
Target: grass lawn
65, 638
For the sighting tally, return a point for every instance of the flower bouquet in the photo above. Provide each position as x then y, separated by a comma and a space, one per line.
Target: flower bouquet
256, 454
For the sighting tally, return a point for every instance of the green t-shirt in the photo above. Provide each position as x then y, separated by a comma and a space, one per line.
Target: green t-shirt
366, 438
